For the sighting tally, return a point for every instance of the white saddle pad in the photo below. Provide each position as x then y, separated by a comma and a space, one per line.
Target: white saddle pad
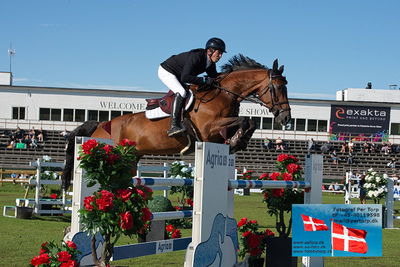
157, 113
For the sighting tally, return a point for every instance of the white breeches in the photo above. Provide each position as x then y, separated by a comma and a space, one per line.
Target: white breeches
171, 81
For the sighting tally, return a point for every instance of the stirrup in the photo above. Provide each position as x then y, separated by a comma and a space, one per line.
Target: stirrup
175, 131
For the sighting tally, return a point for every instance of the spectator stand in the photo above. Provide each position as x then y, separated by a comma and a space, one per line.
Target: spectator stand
38, 204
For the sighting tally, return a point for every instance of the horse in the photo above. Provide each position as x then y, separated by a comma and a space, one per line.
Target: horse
212, 117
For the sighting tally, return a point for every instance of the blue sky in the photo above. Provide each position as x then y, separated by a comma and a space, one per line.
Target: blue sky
325, 45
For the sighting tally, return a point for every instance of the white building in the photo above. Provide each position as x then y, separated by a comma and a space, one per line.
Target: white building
65, 108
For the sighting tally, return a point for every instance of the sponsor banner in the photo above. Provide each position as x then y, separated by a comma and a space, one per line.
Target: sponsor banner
337, 230
359, 120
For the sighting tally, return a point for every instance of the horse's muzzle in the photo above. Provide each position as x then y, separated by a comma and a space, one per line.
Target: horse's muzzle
282, 117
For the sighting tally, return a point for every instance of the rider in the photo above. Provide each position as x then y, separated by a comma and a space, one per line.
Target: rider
184, 68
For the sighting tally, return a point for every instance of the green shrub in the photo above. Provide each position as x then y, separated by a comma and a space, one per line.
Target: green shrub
160, 204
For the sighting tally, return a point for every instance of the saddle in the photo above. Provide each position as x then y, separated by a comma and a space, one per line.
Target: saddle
165, 102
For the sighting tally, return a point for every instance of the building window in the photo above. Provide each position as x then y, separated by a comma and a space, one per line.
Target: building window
79, 115
322, 126
115, 113
44, 114
68, 114
395, 128
55, 114
18, 113
104, 115
290, 125
300, 124
93, 115
312, 125
126, 112
257, 121
267, 123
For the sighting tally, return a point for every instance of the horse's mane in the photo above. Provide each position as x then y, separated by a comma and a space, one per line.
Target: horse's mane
241, 62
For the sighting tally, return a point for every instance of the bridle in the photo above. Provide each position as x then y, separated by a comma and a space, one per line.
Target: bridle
271, 87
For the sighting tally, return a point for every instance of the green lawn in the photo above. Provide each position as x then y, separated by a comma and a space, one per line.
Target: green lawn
21, 239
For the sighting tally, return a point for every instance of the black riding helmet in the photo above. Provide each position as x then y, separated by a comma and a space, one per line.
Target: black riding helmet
216, 44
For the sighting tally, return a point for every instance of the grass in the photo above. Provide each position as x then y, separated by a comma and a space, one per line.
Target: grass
21, 239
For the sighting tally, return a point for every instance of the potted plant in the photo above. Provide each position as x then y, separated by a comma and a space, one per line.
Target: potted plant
52, 254
252, 241
116, 208
279, 202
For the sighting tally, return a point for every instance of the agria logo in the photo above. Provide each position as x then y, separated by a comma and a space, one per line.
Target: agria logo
339, 113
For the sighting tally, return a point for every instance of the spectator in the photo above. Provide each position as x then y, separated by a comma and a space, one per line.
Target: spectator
267, 144
32, 132
41, 135
392, 163
363, 192
327, 147
365, 147
279, 145
310, 145
334, 157
18, 135
33, 143
385, 148
350, 158
350, 145
343, 147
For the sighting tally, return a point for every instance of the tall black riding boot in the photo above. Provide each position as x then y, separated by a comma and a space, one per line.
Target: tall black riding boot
176, 128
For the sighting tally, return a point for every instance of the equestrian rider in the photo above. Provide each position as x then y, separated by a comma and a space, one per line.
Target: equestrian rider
184, 68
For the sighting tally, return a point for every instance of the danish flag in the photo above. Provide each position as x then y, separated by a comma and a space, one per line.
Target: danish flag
348, 239
312, 224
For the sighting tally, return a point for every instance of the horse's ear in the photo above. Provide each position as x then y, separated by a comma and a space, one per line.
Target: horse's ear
281, 69
275, 65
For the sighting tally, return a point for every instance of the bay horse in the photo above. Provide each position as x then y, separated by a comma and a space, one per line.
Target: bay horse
213, 117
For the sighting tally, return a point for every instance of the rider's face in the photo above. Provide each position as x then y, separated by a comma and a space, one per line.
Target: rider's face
215, 55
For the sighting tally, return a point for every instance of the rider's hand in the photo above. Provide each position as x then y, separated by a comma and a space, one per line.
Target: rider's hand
209, 81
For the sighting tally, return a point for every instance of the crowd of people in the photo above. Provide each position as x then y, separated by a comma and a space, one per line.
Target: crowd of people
20, 138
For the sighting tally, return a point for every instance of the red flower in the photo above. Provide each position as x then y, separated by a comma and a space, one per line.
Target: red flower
189, 201
242, 222
176, 234
293, 167
105, 203
44, 244
278, 192
274, 176
293, 158
254, 240
265, 195
41, 259
178, 208
127, 142
42, 251
124, 194
253, 222
89, 145
108, 149
255, 251
282, 157
71, 244
269, 233
53, 196
87, 202
169, 228
146, 214
70, 263
111, 158
287, 176
246, 234
263, 176
63, 256
126, 220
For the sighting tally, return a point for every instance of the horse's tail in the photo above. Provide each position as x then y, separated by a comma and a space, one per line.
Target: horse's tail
85, 129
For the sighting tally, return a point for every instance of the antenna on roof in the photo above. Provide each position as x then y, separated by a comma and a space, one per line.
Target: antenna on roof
11, 52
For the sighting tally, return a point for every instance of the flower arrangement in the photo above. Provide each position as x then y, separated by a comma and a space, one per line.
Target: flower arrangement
280, 200
172, 232
375, 185
51, 255
247, 175
252, 241
116, 208
182, 170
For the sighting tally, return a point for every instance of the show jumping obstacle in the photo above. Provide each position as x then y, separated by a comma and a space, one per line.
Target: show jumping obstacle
214, 239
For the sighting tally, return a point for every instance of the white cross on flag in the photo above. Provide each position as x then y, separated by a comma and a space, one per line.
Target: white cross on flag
348, 239
312, 224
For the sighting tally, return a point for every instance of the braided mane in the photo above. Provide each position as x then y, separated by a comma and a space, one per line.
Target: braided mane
241, 62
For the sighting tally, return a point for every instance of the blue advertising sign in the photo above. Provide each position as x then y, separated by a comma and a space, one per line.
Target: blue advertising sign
337, 230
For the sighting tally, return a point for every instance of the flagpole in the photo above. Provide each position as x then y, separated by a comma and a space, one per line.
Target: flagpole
331, 237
